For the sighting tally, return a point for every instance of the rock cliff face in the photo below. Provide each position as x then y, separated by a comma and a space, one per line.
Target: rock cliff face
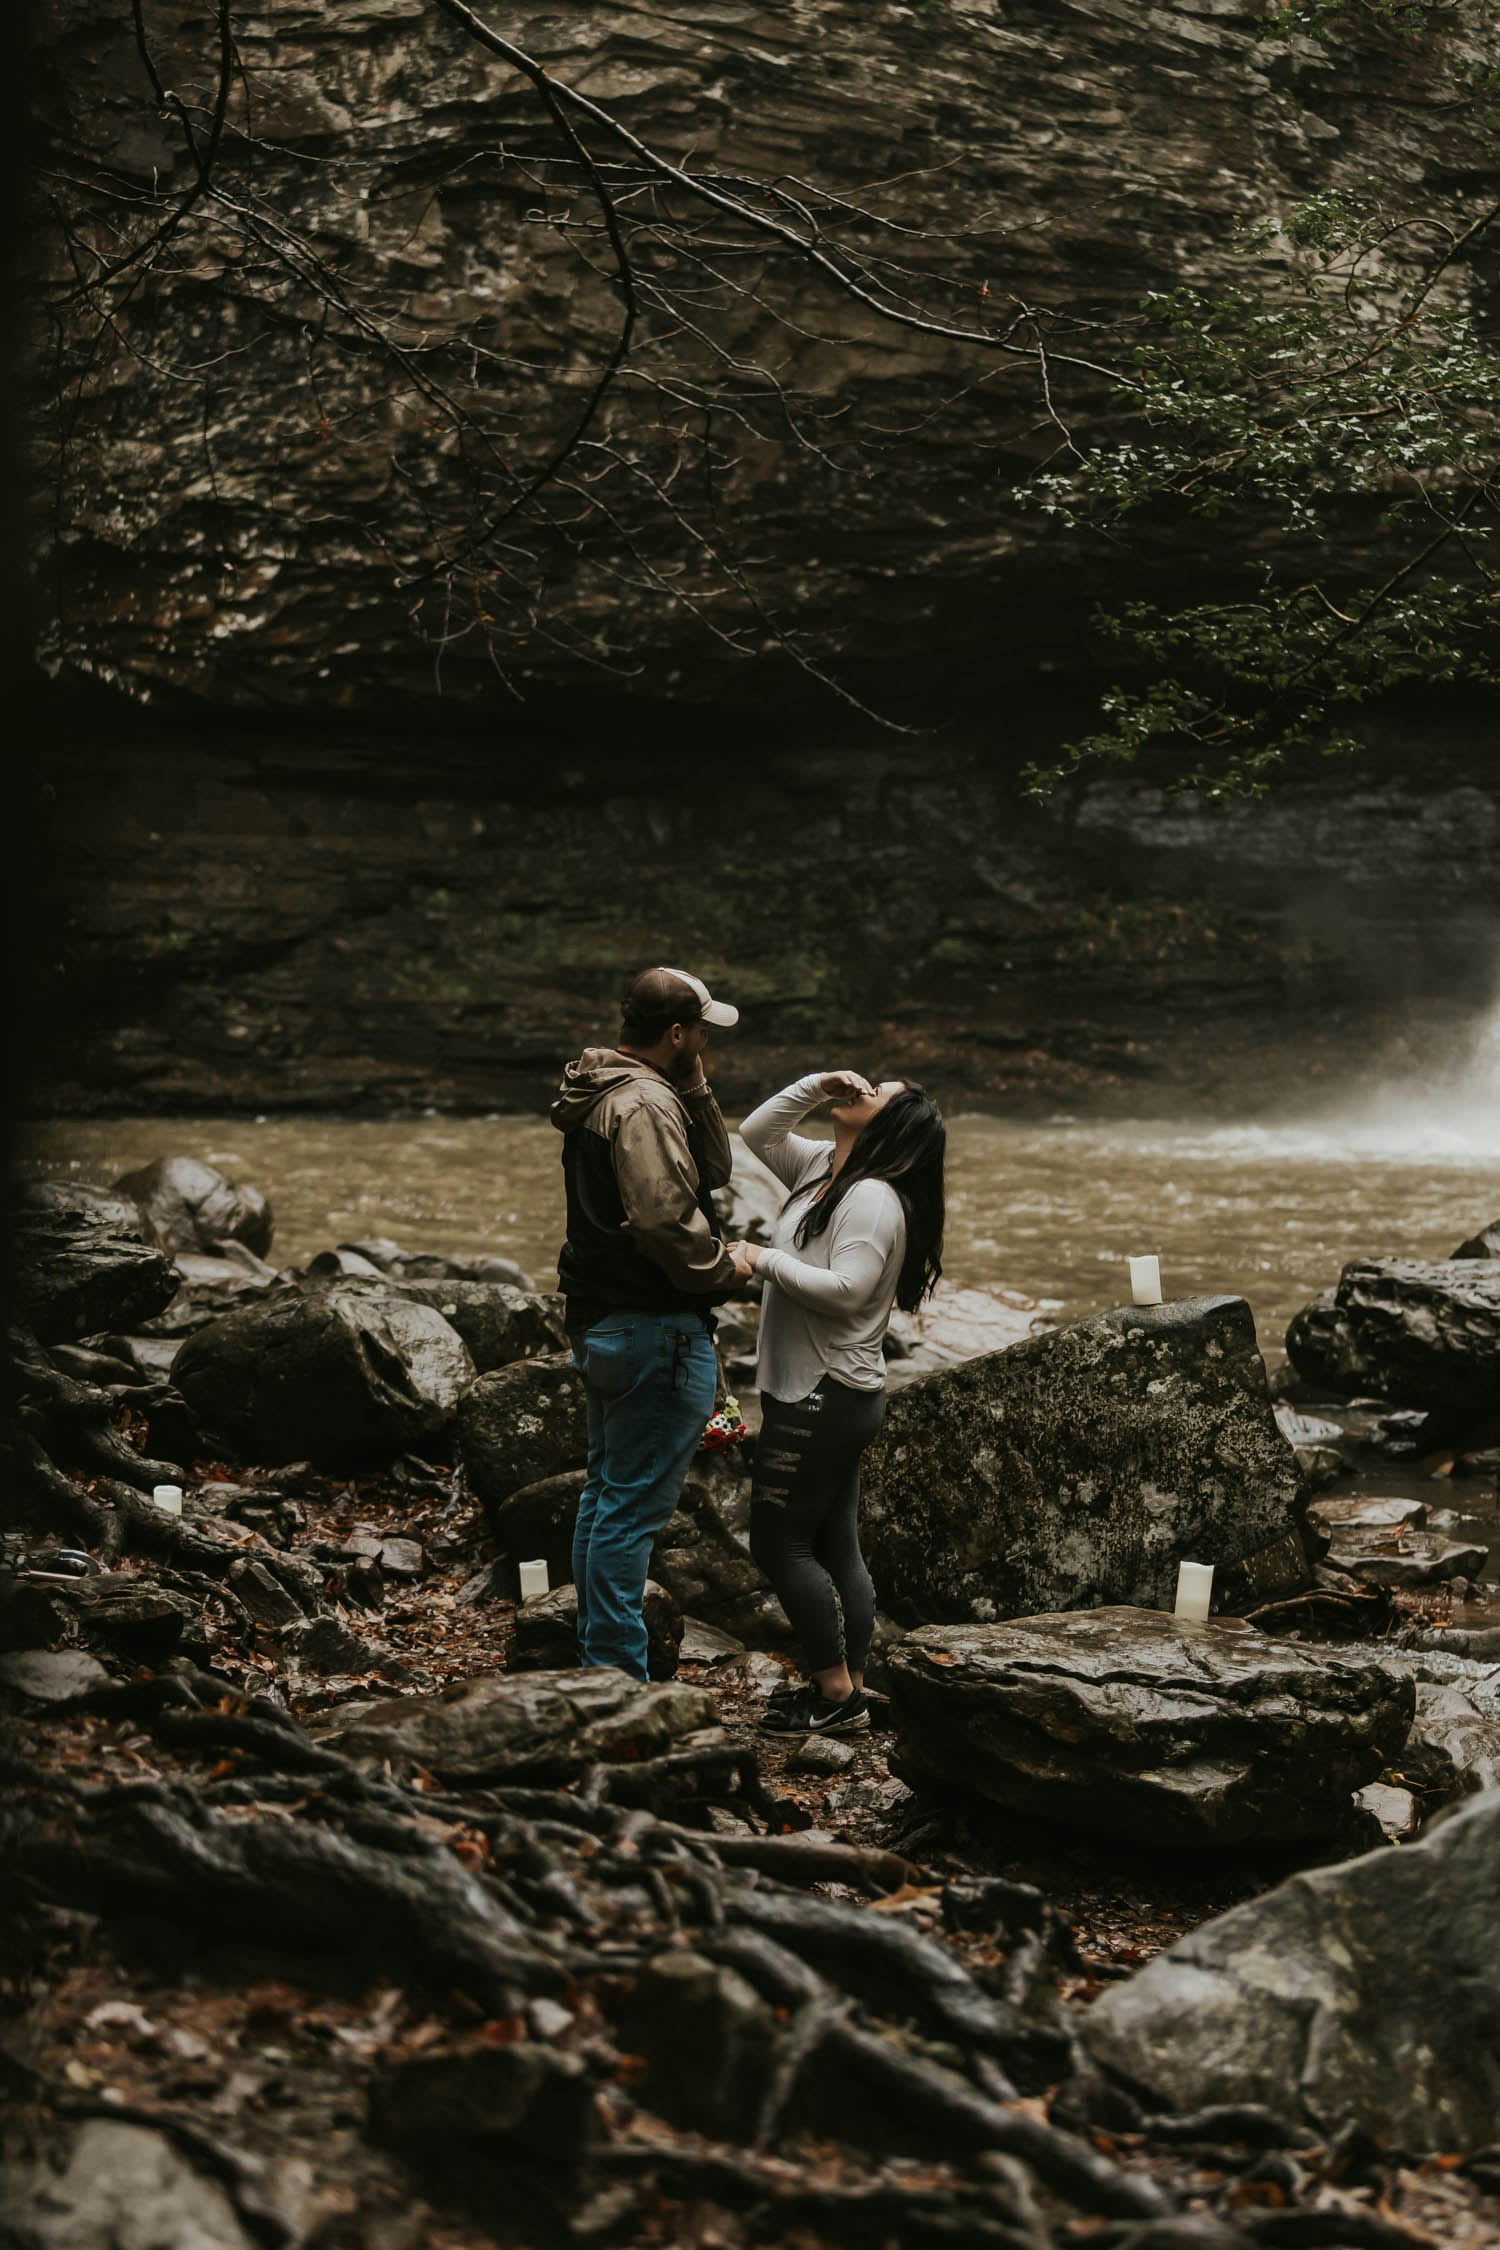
303, 921
251, 483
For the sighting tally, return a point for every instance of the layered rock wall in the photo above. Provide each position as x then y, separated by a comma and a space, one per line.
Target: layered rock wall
252, 486
299, 921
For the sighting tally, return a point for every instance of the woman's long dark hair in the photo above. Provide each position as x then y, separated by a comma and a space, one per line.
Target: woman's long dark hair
904, 1144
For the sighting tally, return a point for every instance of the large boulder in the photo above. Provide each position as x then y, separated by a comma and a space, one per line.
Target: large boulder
189, 1206
1364, 1994
1485, 1244
534, 1726
1421, 1334
1130, 1723
499, 1323
82, 1262
337, 1376
1080, 1467
522, 1423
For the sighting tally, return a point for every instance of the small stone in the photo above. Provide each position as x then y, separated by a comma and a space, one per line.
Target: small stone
51, 1675
757, 1670
821, 1754
1395, 1809
264, 1596
549, 2020
1371, 1514
1419, 1558
705, 1644
327, 1644
402, 1558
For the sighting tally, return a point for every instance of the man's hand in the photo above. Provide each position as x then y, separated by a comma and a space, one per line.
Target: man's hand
746, 1258
845, 1085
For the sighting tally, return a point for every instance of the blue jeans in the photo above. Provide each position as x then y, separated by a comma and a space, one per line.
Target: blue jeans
650, 1380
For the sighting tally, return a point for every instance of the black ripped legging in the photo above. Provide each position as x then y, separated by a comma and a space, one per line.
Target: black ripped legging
804, 1518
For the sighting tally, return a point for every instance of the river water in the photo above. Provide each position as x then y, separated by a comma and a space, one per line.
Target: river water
1271, 1212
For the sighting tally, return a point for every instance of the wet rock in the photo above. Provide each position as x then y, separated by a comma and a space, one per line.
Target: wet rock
1460, 1738
706, 1644
1401, 1436
544, 1726
1412, 1558
1079, 1467
959, 1323
188, 1206
82, 1262
119, 2187
51, 1675
1485, 1244
546, 1632
1128, 1723
1481, 1646
1485, 1462
150, 1356
525, 2099
329, 1263
432, 1265
521, 1424
499, 1323
1306, 1429
1393, 1807
1362, 1994
1424, 1335
340, 1376
709, 2042
1373, 1514
211, 1287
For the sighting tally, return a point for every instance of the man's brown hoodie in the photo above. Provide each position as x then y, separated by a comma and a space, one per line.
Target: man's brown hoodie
640, 1161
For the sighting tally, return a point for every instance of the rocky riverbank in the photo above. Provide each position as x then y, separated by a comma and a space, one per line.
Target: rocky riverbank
353, 1916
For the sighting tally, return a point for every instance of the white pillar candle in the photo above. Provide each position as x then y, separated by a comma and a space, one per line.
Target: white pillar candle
533, 1579
1145, 1281
168, 1498
1195, 1585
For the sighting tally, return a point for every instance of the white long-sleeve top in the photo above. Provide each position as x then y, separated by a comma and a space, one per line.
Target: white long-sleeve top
827, 1304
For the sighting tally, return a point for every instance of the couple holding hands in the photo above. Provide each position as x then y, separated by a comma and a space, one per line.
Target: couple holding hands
860, 1231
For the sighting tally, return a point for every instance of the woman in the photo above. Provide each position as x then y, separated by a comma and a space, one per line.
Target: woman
861, 1230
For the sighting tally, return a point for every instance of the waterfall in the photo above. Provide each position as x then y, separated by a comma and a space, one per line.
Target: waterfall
1452, 1113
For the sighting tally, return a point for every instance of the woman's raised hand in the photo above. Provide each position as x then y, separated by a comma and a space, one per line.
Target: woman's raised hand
845, 1085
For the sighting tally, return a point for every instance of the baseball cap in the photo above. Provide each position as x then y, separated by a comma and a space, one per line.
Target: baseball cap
717, 1012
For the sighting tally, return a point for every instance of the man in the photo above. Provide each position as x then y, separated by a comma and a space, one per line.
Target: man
644, 1145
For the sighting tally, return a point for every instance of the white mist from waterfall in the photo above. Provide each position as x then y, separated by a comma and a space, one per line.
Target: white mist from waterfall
1436, 1115
1441, 1117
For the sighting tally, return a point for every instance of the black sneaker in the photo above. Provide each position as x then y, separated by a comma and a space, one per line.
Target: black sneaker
808, 1712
